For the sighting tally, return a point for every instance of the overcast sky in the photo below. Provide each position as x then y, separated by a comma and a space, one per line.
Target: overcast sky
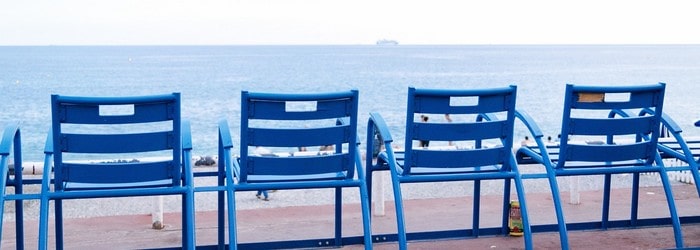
203, 22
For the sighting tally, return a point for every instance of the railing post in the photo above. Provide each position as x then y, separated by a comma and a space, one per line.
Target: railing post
574, 190
378, 192
157, 214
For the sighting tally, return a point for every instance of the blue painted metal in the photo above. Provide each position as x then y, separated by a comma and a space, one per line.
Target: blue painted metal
333, 121
132, 135
677, 147
609, 156
428, 165
11, 145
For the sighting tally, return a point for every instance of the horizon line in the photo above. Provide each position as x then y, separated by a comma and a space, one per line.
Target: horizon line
352, 44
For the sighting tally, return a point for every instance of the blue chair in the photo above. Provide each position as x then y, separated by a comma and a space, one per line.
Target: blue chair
88, 133
489, 118
283, 123
595, 140
11, 146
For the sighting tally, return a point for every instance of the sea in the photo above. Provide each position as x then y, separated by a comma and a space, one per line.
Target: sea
211, 78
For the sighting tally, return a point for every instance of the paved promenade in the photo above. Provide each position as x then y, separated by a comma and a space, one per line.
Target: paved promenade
125, 223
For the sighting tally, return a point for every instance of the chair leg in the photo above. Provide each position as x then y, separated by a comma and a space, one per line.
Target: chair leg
58, 208
368, 185
506, 206
2, 212
231, 204
606, 201
476, 206
188, 227
398, 203
43, 223
221, 218
696, 175
563, 234
527, 231
366, 226
19, 214
338, 216
634, 208
677, 233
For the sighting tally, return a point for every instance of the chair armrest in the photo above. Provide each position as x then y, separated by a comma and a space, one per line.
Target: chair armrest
672, 126
48, 156
186, 133
186, 136
48, 166
676, 147
10, 134
225, 134
377, 133
619, 112
666, 120
529, 123
486, 117
378, 122
48, 147
225, 146
543, 155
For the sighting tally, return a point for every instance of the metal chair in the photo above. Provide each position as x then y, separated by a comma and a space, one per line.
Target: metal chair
487, 118
597, 138
88, 133
281, 123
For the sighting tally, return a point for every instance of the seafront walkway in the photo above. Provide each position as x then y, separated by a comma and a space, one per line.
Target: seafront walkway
125, 223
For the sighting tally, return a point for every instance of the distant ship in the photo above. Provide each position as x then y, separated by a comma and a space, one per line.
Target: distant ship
387, 42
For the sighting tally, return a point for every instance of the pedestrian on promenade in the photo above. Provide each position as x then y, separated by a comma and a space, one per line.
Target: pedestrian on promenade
262, 194
449, 120
424, 143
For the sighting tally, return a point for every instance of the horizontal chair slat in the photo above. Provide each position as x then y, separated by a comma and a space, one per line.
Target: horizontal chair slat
641, 97
459, 131
303, 165
274, 137
142, 113
277, 110
118, 143
620, 126
118, 172
603, 153
441, 105
458, 158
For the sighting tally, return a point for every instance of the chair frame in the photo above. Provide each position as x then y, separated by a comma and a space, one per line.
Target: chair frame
271, 106
609, 127
677, 147
146, 109
11, 146
437, 101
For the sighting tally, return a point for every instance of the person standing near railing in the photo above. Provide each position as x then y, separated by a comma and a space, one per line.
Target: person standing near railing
424, 143
262, 194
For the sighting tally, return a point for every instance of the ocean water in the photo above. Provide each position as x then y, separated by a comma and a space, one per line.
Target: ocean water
211, 78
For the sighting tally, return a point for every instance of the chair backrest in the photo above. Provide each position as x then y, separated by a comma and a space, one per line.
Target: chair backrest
600, 136
89, 132
481, 117
288, 122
